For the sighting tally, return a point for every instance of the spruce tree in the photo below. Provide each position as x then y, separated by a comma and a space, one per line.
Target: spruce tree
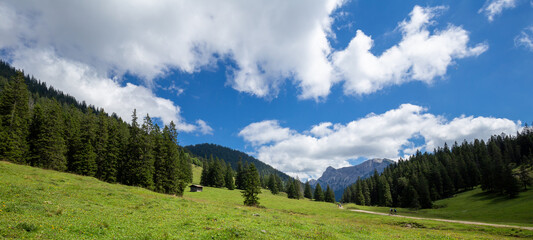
229, 178
15, 117
47, 146
319, 194
329, 196
251, 186
272, 184
108, 169
359, 196
84, 158
239, 178
297, 188
307, 191
205, 173
366, 193
101, 142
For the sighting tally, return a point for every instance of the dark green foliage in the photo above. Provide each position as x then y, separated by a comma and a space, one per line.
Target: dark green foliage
272, 184
48, 148
252, 186
293, 189
329, 195
523, 175
84, 158
319, 194
233, 157
100, 145
307, 191
15, 119
46, 128
239, 177
427, 177
229, 178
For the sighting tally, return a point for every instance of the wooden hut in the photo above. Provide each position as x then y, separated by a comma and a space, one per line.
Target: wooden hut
196, 188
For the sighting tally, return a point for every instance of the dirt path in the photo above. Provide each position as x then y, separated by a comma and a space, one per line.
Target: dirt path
446, 220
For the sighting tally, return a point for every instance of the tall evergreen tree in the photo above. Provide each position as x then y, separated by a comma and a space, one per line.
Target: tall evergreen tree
307, 191
47, 146
319, 194
15, 116
101, 142
84, 157
108, 169
329, 196
239, 177
229, 178
252, 186
272, 184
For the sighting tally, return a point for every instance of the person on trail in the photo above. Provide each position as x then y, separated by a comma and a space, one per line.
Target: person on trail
395, 211
391, 211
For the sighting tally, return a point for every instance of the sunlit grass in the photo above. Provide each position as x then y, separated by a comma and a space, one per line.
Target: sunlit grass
45, 204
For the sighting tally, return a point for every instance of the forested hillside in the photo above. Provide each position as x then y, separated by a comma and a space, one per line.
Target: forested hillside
232, 157
40, 126
501, 165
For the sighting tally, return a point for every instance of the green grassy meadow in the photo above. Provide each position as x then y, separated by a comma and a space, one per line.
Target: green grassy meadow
36, 203
475, 205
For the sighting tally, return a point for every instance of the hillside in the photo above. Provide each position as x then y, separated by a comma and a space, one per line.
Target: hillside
46, 204
232, 156
475, 205
339, 179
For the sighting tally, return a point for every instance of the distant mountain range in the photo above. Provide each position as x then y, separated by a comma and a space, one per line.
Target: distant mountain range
205, 150
339, 179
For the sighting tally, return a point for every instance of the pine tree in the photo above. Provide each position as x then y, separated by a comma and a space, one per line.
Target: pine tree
84, 157
251, 186
239, 178
413, 198
329, 196
366, 193
15, 117
307, 191
319, 194
101, 144
47, 146
229, 178
291, 191
525, 179
297, 188
108, 169
272, 184
205, 172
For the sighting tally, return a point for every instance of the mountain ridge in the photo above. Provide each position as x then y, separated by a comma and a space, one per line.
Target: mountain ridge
339, 179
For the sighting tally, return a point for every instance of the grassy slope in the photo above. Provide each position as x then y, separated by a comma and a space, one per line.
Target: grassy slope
476, 205
38, 203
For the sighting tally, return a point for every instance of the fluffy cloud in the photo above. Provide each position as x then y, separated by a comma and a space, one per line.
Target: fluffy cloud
264, 132
387, 135
84, 83
495, 7
525, 39
420, 56
267, 40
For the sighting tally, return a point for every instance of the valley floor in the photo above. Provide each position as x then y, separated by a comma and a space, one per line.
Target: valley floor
44, 204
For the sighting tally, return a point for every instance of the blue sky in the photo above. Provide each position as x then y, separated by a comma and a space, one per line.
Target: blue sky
301, 85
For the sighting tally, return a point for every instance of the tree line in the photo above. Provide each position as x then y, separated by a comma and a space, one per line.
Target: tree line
44, 132
501, 166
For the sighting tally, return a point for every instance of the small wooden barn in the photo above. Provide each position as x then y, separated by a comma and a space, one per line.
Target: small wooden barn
196, 188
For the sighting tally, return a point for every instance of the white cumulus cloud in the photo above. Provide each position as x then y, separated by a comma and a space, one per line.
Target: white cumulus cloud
81, 81
269, 41
387, 135
493, 8
419, 56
